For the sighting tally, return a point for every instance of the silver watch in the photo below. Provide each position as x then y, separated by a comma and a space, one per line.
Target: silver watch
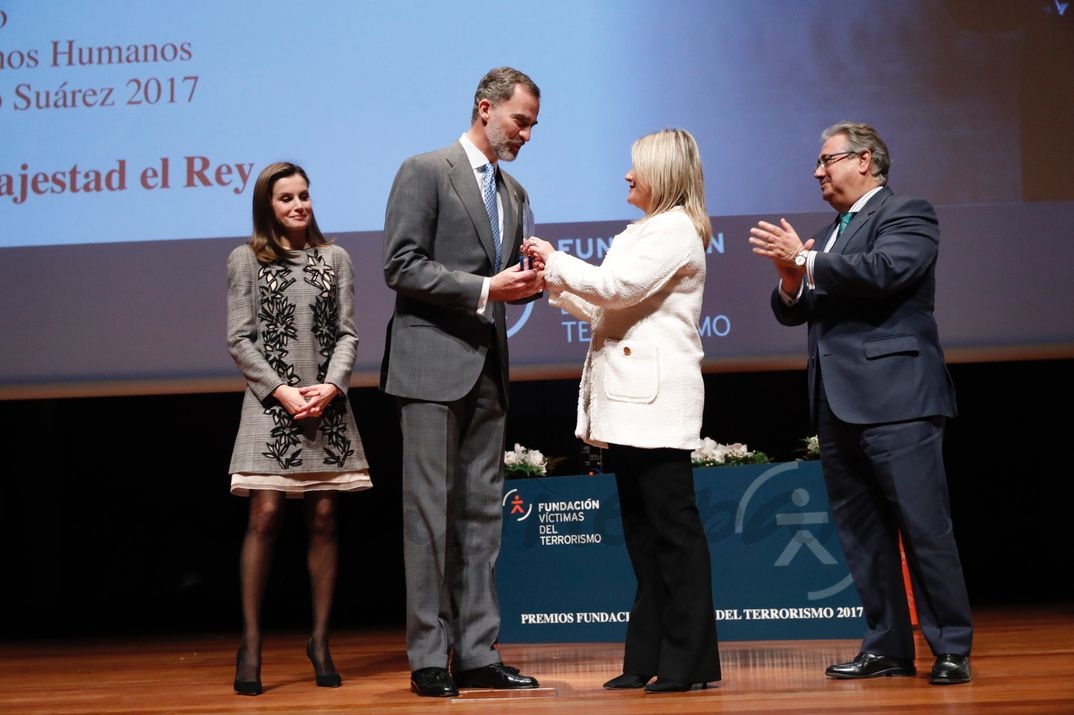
800, 258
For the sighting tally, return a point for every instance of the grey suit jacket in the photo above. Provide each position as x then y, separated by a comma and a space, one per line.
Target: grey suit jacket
438, 245
871, 325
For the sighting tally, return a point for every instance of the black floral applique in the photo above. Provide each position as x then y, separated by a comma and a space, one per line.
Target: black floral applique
325, 308
276, 315
319, 273
334, 430
284, 438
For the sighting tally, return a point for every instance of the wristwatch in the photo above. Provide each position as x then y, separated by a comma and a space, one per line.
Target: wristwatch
800, 258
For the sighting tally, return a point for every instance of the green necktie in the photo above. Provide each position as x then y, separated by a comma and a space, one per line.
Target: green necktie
844, 219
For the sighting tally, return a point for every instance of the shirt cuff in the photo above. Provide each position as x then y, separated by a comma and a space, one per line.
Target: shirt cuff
787, 298
483, 301
810, 258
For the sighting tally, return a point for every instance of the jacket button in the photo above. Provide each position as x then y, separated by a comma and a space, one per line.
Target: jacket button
626, 351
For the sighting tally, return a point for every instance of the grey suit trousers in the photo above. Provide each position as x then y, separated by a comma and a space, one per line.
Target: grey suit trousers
452, 520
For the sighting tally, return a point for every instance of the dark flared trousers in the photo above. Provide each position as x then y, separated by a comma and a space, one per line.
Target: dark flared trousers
672, 629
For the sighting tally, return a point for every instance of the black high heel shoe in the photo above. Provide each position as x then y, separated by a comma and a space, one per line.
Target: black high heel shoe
324, 673
246, 687
664, 685
627, 681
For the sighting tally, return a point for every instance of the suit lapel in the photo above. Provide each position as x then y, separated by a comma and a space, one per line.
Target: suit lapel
853, 235
464, 182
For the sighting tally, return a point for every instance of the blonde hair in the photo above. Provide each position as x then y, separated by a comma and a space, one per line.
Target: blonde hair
669, 163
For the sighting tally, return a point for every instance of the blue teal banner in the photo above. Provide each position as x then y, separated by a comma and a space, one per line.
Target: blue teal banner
778, 572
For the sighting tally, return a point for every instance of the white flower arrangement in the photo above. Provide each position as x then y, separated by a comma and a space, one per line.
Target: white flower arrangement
713, 454
810, 447
524, 462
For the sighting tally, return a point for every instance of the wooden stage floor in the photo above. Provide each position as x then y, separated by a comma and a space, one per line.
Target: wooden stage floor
1023, 662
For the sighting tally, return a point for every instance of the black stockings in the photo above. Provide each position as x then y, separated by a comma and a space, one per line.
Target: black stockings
266, 518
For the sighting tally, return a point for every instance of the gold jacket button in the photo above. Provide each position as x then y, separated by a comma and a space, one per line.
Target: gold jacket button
626, 350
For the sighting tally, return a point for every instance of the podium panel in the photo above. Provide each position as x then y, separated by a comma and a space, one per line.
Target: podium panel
778, 570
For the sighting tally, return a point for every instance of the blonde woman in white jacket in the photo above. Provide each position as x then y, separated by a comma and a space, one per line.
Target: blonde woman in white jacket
641, 396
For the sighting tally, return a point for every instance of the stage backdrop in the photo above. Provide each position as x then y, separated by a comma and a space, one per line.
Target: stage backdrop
132, 133
778, 572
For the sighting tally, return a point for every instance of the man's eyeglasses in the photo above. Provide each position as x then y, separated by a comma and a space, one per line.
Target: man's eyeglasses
827, 160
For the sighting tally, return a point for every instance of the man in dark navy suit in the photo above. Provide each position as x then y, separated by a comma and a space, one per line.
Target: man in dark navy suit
880, 393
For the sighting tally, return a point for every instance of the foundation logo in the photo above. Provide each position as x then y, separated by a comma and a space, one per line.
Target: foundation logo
801, 524
517, 507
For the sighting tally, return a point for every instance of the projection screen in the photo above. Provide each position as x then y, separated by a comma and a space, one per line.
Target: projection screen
132, 132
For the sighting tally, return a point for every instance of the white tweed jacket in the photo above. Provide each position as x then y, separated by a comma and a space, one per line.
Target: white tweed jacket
641, 384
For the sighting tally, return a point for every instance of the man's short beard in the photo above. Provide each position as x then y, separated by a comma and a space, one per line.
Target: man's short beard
500, 144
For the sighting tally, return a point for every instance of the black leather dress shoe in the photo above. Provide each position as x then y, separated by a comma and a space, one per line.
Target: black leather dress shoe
663, 685
497, 675
433, 683
627, 681
950, 669
867, 665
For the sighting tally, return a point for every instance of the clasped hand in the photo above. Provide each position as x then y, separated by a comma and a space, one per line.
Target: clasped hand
305, 402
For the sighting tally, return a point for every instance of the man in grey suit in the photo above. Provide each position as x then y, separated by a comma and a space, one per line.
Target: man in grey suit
451, 256
879, 393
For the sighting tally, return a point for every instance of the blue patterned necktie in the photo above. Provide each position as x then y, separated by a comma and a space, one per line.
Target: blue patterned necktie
488, 189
